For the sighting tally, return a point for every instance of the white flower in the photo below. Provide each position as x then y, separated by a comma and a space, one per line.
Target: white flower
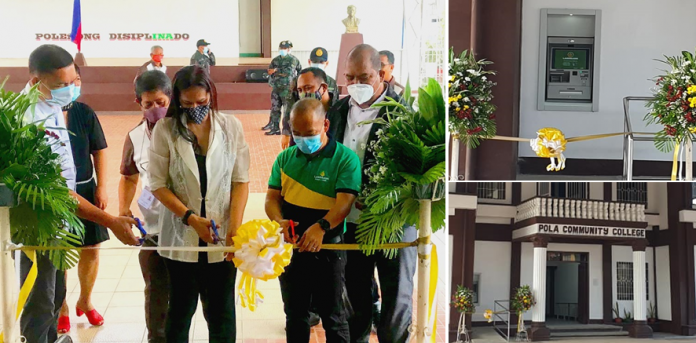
466, 99
484, 78
467, 79
383, 170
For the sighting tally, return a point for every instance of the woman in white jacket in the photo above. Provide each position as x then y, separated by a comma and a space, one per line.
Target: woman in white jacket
199, 170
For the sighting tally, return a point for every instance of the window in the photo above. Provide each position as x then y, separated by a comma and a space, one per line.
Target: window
491, 190
570, 190
475, 290
633, 192
624, 281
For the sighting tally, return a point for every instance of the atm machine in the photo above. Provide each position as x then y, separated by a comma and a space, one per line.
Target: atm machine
569, 60
569, 69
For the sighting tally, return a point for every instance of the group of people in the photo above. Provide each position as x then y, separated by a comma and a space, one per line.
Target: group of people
192, 163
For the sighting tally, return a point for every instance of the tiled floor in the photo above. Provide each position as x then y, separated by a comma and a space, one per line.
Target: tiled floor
118, 293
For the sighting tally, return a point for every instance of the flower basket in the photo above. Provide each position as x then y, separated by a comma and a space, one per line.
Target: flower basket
42, 211
471, 113
674, 103
463, 300
409, 167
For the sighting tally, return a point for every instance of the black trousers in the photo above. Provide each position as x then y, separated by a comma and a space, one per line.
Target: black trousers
315, 281
396, 283
39, 320
156, 279
214, 283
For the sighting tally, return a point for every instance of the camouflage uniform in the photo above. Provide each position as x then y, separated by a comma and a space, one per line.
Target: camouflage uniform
203, 60
294, 97
287, 69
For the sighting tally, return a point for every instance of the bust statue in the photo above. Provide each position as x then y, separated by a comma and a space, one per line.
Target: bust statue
351, 22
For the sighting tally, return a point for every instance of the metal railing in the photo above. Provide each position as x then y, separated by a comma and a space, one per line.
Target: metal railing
568, 313
498, 307
630, 138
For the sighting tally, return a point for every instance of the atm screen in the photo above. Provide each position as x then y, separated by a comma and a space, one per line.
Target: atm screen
570, 59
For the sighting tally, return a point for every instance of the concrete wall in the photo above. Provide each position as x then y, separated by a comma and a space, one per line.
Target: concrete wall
664, 298
250, 26
634, 33
625, 254
217, 21
492, 262
595, 268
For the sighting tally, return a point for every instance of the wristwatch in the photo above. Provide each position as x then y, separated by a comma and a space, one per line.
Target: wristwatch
324, 224
186, 216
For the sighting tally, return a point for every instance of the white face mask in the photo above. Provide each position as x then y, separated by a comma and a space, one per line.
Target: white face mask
318, 65
361, 93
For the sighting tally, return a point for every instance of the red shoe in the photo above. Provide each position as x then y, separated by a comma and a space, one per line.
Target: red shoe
63, 324
93, 317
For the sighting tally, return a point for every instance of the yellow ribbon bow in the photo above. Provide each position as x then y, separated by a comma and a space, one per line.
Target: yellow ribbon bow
550, 143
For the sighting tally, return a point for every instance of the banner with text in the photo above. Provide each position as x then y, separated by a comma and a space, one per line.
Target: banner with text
579, 230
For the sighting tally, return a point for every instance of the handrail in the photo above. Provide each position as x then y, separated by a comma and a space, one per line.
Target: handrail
629, 137
496, 315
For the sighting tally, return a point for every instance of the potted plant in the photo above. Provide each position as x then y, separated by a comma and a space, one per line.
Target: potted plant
628, 317
42, 211
652, 314
617, 314
408, 169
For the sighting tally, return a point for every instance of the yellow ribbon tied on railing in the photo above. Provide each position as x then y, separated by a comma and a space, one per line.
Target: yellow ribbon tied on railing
260, 253
26, 287
550, 143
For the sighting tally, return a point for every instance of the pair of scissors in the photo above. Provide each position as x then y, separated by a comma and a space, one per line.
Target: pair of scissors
142, 231
292, 232
216, 236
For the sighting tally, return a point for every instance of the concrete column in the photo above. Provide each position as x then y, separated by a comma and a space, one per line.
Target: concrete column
640, 328
539, 331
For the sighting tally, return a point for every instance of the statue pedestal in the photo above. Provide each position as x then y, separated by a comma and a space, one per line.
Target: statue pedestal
80, 60
348, 42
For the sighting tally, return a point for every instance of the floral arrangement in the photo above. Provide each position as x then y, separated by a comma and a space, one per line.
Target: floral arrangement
463, 300
408, 166
523, 299
44, 211
674, 105
471, 113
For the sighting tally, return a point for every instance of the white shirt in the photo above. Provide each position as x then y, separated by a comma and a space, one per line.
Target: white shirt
356, 136
173, 165
151, 66
55, 122
141, 148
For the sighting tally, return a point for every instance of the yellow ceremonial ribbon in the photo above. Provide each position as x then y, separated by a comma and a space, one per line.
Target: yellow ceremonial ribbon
675, 163
431, 295
26, 287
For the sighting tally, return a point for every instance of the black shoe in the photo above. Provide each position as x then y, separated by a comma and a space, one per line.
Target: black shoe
313, 319
273, 132
268, 126
376, 313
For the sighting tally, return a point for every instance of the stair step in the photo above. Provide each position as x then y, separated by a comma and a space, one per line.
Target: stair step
589, 333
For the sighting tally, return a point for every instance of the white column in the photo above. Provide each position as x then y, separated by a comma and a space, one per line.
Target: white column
639, 296
7, 310
539, 282
454, 161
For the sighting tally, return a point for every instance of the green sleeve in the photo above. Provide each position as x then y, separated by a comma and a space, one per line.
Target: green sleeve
275, 181
349, 177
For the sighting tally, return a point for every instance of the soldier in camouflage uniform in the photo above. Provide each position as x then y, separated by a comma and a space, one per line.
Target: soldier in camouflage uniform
203, 57
282, 70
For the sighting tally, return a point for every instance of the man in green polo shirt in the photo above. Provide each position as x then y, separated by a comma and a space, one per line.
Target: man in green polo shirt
313, 184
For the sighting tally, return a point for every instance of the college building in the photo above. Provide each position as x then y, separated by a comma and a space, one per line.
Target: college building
588, 250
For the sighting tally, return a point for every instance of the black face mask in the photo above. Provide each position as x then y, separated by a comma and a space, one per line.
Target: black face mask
196, 114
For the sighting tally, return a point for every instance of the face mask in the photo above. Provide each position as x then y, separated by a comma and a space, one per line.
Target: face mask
315, 95
154, 114
157, 58
283, 53
318, 65
205, 50
308, 145
76, 93
197, 114
361, 93
62, 96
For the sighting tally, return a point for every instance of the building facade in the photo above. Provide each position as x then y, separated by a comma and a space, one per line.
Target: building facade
587, 250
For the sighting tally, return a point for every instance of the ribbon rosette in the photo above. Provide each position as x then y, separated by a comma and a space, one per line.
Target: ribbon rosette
260, 253
550, 143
